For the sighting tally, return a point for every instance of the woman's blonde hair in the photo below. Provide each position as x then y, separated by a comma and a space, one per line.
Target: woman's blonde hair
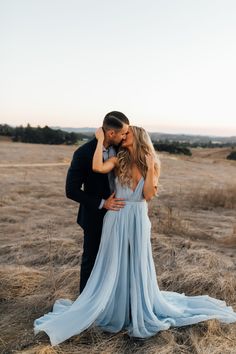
142, 146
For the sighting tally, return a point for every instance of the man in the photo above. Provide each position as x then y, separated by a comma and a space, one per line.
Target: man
95, 191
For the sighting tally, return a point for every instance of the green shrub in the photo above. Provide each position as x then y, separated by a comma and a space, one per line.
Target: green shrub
173, 148
232, 155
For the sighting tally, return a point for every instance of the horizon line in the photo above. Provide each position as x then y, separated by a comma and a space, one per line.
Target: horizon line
149, 131
153, 132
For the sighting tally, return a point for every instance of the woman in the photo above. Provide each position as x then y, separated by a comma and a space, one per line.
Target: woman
122, 290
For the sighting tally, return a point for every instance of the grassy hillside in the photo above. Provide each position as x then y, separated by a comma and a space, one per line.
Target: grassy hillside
193, 242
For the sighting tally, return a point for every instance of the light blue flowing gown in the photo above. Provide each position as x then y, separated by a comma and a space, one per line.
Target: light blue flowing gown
122, 290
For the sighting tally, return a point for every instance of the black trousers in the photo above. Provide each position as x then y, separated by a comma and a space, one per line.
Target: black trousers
90, 249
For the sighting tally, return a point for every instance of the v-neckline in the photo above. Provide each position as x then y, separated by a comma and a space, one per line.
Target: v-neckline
133, 190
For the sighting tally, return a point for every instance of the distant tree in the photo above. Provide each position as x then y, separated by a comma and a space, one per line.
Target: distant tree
71, 138
29, 135
6, 130
18, 134
172, 147
232, 155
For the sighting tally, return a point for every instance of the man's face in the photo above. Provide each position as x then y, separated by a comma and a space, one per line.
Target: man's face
116, 137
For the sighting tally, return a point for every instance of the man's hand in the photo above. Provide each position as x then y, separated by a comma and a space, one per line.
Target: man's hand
113, 203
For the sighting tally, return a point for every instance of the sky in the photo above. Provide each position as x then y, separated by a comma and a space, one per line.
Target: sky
169, 65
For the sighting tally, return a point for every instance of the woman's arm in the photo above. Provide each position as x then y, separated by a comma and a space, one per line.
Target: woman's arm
151, 180
98, 164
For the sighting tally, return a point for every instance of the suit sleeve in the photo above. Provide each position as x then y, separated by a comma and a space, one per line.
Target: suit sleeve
75, 178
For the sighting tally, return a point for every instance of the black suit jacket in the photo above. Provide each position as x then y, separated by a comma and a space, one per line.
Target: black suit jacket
87, 187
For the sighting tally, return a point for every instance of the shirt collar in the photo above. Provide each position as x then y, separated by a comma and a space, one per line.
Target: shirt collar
109, 147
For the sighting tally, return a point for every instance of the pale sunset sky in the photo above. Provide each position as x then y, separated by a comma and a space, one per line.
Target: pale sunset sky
169, 65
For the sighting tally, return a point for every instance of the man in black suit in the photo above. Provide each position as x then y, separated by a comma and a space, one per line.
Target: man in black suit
95, 191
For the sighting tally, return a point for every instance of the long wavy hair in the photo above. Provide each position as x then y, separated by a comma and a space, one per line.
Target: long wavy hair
142, 146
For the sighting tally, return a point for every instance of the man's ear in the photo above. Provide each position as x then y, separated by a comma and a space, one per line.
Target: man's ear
110, 133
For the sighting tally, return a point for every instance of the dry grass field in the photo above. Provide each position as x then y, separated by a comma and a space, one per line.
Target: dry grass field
193, 240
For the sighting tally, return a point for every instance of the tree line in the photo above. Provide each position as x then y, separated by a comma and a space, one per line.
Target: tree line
40, 135
174, 147
48, 135
178, 147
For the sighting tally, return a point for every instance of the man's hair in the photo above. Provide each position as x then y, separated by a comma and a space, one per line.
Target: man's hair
114, 120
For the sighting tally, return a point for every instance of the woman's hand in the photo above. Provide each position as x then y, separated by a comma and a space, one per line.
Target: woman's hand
98, 164
150, 161
100, 134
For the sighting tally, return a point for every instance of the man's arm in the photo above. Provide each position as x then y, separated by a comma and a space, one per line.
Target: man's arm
75, 178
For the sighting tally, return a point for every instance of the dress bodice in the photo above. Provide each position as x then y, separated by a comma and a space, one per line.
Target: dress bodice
127, 193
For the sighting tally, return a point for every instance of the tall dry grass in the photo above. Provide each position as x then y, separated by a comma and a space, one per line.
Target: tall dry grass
41, 248
215, 197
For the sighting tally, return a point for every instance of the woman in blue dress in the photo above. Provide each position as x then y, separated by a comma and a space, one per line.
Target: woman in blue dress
122, 291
